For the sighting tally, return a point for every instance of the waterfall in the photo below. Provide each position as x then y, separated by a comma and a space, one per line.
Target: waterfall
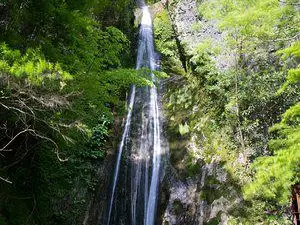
124, 136
142, 139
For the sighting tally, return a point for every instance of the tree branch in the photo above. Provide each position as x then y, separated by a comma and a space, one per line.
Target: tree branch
6, 180
22, 132
37, 135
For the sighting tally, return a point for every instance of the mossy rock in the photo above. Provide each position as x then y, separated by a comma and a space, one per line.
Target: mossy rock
214, 189
178, 207
214, 221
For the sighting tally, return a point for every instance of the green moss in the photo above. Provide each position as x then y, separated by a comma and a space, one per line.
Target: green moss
209, 194
214, 189
178, 207
214, 221
197, 26
166, 43
178, 151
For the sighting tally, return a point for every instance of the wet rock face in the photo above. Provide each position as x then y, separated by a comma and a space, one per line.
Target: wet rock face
185, 16
203, 199
193, 30
204, 193
181, 208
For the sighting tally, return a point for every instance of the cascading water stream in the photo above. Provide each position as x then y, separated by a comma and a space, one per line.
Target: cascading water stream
142, 137
124, 136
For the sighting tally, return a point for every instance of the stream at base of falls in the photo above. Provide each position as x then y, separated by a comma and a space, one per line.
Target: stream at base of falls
141, 154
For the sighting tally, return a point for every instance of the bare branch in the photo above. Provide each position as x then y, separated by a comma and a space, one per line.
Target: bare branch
26, 104
6, 180
54, 143
37, 135
10, 107
17, 135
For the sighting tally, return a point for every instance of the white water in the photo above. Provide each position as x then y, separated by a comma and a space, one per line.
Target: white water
124, 136
146, 19
145, 173
152, 201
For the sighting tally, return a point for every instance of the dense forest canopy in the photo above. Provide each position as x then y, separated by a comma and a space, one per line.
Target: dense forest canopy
65, 72
255, 28
65, 69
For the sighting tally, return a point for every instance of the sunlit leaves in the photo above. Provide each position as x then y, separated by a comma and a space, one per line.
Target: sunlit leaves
276, 174
166, 43
250, 23
112, 44
31, 66
260, 32
46, 42
292, 51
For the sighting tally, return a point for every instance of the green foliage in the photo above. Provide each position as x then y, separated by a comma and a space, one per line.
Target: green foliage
113, 43
31, 66
63, 78
195, 105
160, 74
97, 141
293, 76
230, 115
67, 32
258, 33
183, 129
166, 43
39, 138
292, 51
276, 174
250, 23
